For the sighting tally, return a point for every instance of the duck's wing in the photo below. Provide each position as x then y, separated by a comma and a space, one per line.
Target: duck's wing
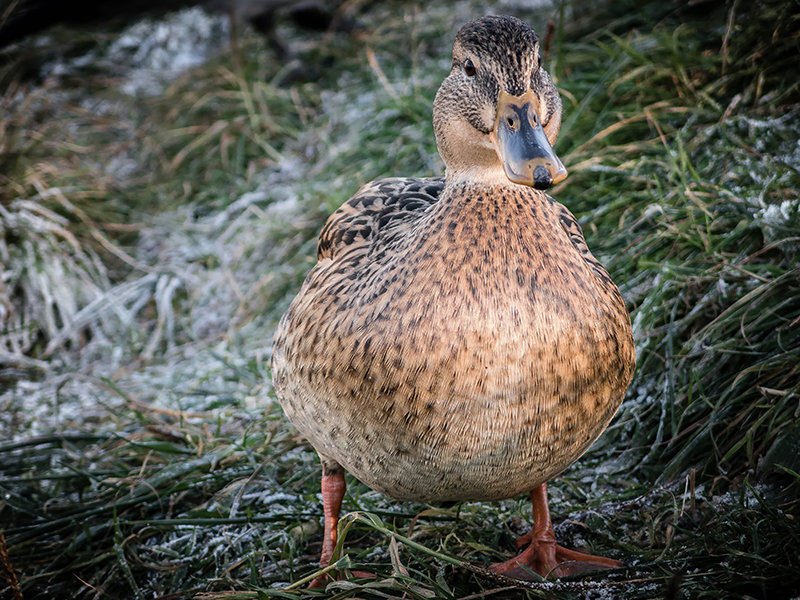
376, 208
573, 230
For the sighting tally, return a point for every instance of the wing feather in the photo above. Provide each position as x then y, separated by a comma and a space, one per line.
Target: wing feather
377, 207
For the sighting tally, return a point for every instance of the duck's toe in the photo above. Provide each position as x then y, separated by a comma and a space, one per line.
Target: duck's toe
546, 559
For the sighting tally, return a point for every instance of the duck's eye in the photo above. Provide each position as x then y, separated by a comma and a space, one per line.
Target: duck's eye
469, 68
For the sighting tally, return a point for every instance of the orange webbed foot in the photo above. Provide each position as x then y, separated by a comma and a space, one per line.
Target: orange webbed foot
542, 556
550, 561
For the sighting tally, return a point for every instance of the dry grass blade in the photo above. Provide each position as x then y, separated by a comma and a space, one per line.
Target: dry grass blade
8, 569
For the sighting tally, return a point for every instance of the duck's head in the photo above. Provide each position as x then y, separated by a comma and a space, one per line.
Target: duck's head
497, 114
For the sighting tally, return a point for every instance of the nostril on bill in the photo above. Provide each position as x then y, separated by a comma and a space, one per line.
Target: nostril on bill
542, 179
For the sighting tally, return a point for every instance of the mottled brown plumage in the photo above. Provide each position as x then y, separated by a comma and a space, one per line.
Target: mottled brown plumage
456, 339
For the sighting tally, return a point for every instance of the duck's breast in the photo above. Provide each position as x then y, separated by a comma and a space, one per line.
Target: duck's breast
473, 357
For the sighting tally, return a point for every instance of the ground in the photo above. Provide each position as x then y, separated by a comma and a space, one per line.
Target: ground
162, 183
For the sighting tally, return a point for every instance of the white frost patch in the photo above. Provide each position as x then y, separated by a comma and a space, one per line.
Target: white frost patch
780, 219
63, 403
151, 53
159, 51
745, 497
653, 210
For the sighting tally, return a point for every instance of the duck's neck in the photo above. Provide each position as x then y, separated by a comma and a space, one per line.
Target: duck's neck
498, 217
469, 195
484, 175
489, 182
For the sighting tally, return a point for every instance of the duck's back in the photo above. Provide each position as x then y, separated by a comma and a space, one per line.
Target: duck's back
453, 343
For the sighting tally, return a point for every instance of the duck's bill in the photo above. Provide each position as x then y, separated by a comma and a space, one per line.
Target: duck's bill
521, 143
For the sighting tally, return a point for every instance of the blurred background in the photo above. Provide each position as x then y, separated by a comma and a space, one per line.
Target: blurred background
165, 169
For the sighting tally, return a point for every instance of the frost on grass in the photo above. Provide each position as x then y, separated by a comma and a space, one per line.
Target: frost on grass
55, 286
200, 314
229, 542
767, 159
151, 53
61, 276
780, 218
189, 328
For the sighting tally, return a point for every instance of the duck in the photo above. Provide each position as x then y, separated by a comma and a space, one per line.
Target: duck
456, 339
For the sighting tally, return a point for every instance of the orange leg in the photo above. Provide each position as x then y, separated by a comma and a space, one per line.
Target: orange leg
543, 556
333, 487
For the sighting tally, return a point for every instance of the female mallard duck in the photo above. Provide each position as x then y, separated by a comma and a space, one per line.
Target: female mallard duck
457, 340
